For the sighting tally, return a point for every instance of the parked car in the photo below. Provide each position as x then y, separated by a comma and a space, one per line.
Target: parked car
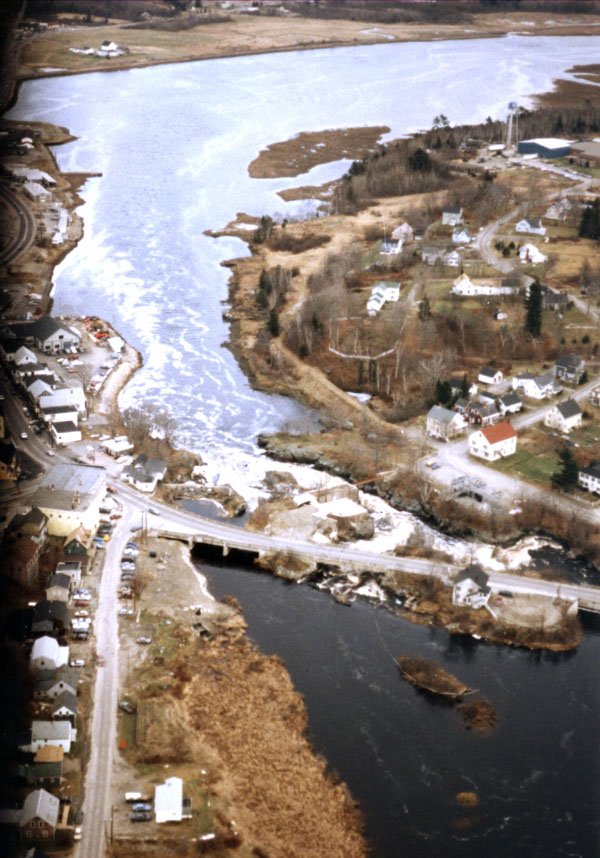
77, 662
79, 817
111, 489
141, 808
141, 817
77, 833
153, 511
128, 707
50, 453
126, 612
143, 640
132, 544
24, 436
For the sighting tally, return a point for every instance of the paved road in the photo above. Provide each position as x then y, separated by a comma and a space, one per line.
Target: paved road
24, 237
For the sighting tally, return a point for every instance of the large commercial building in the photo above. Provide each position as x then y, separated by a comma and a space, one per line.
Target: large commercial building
545, 147
70, 496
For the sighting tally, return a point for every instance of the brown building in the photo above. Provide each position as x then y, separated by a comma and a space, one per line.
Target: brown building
21, 560
39, 816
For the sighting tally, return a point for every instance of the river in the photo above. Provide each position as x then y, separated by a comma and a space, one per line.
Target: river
173, 144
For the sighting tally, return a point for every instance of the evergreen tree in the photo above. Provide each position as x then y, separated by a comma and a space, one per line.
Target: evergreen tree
566, 478
590, 221
533, 305
273, 323
424, 309
464, 387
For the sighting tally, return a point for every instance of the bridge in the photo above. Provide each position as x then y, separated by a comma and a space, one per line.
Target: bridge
228, 537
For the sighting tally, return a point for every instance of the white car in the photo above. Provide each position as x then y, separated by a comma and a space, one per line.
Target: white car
24, 436
50, 453
77, 662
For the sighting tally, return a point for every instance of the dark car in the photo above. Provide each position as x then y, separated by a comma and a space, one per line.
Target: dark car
79, 817
141, 817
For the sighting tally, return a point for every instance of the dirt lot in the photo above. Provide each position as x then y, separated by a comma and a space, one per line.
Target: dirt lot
214, 711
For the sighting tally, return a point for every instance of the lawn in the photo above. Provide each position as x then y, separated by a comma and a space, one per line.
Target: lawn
528, 466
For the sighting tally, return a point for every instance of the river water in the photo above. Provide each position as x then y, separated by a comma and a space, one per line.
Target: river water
173, 144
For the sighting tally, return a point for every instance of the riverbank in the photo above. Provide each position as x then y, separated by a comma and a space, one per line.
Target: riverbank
226, 719
48, 54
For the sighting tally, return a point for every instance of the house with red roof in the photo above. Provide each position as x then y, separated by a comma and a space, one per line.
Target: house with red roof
493, 442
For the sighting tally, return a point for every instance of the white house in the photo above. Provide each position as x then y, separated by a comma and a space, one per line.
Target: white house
444, 424
564, 416
529, 254
23, 356
47, 654
65, 432
452, 215
569, 368
452, 259
510, 403
471, 587
589, 478
39, 388
74, 396
493, 442
531, 225
403, 233
144, 473
59, 413
463, 285
461, 235
168, 801
488, 375
535, 386
381, 293
57, 733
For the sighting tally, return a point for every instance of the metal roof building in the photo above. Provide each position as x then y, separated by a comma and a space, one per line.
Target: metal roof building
545, 147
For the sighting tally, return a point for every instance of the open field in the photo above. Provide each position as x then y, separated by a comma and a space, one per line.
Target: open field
49, 53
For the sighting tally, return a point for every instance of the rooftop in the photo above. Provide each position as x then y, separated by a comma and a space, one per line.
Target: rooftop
69, 487
500, 432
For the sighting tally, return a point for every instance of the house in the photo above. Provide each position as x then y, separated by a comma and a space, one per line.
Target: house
58, 588
65, 707
510, 403
444, 424
381, 293
144, 473
559, 209
59, 413
535, 386
49, 335
456, 386
471, 588
529, 254
452, 215
119, 446
531, 225
47, 654
50, 618
71, 496
569, 368
552, 300
38, 387
40, 774
39, 816
73, 396
595, 397
483, 413
463, 285
35, 191
58, 733
65, 432
452, 259
430, 253
77, 544
403, 233
49, 684
493, 442
168, 801
461, 235
20, 562
488, 375
564, 416
390, 248
72, 568
24, 357
589, 478
33, 524
9, 463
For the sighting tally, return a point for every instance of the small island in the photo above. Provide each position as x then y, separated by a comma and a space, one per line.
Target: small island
428, 675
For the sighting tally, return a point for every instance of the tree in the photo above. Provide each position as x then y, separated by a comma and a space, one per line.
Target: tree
533, 306
419, 161
590, 221
443, 393
464, 387
567, 477
424, 309
273, 323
